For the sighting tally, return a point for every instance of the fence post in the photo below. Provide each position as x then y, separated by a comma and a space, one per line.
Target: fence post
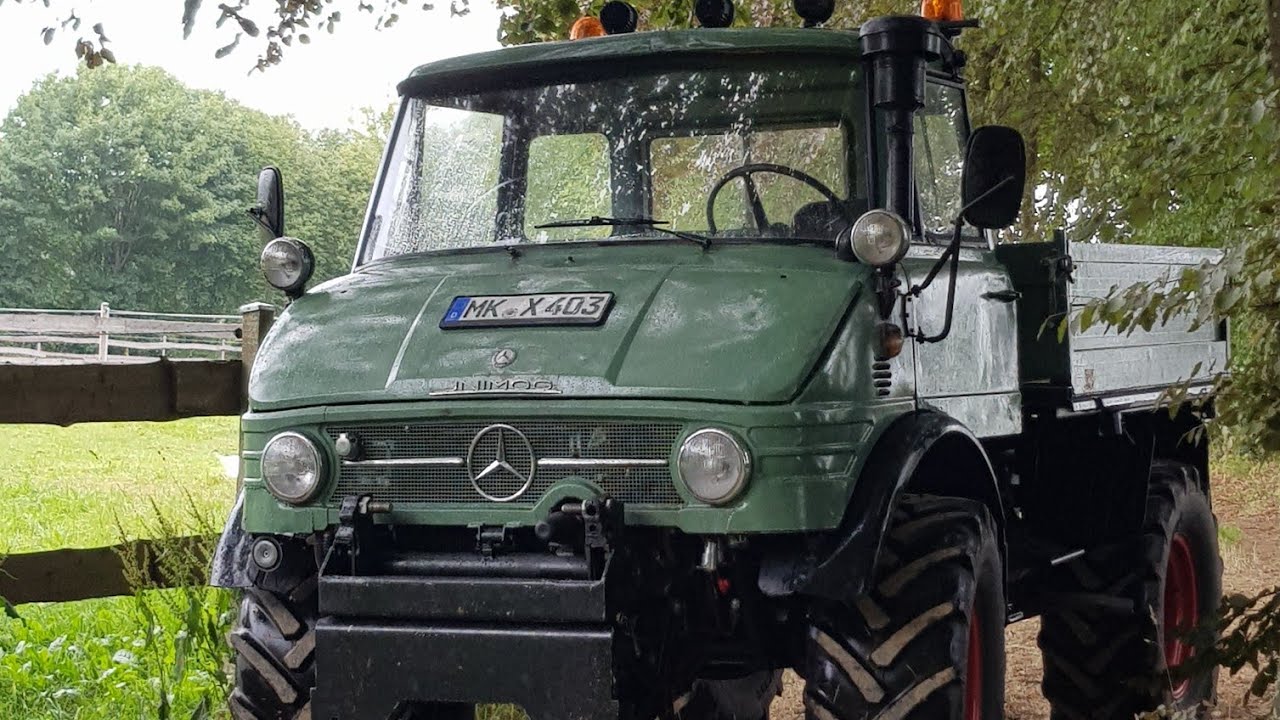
255, 321
104, 312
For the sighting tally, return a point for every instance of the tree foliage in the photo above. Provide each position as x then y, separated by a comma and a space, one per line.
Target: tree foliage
285, 22
122, 185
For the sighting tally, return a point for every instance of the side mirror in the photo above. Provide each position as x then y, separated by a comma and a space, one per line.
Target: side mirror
995, 174
269, 211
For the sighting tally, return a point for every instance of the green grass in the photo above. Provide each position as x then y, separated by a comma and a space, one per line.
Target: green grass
160, 654
80, 486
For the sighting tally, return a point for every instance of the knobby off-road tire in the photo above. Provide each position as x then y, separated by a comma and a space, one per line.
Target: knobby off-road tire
1107, 648
274, 641
927, 641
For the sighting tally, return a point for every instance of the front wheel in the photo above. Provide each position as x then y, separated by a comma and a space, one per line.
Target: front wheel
274, 641
927, 640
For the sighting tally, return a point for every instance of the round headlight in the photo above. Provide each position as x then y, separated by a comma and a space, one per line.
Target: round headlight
287, 264
291, 467
714, 466
880, 238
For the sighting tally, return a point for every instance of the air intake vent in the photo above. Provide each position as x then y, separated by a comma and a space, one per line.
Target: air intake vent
882, 377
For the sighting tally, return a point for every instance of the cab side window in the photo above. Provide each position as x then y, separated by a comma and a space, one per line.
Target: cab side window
939, 160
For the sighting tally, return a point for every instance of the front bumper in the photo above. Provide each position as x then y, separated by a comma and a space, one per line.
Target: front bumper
495, 624
542, 644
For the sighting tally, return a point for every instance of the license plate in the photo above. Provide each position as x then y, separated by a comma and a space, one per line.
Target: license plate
581, 308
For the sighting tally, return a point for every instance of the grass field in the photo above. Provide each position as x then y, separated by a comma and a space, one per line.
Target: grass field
162, 654
159, 655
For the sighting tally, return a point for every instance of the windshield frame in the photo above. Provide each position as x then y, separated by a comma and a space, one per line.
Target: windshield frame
855, 126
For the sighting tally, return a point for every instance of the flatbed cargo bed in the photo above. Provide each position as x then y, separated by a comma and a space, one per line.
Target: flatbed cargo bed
1100, 367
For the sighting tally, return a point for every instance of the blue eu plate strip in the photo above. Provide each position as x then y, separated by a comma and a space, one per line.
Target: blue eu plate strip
456, 309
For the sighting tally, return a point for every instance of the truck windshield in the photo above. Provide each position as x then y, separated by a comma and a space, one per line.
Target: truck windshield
474, 169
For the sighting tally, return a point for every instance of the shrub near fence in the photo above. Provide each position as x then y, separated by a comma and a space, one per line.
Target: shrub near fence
65, 389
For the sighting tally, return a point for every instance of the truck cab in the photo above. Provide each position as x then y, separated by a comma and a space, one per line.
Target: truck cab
669, 360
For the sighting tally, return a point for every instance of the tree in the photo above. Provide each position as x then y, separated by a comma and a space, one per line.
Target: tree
123, 185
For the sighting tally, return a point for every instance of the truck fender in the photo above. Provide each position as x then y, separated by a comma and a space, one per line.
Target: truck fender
231, 558
922, 451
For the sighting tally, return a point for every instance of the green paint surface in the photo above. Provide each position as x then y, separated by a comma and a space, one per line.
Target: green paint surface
740, 323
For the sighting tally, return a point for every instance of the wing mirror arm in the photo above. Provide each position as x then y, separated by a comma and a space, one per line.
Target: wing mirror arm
952, 253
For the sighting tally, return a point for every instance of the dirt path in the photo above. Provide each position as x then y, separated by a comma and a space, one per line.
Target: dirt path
1250, 563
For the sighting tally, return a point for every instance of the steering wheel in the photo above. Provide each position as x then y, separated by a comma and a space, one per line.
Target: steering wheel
753, 195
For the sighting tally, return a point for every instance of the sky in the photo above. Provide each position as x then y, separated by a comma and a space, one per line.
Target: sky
323, 84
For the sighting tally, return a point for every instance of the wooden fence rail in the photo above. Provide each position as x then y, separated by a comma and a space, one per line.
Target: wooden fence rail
82, 574
39, 389
25, 332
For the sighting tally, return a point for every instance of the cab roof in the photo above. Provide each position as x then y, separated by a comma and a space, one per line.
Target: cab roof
621, 54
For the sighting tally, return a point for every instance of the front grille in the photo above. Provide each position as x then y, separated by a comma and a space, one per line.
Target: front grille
426, 462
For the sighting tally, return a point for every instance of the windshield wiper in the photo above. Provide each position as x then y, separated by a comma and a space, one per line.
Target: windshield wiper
598, 221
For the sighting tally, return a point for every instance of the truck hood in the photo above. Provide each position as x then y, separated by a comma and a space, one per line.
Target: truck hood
740, 323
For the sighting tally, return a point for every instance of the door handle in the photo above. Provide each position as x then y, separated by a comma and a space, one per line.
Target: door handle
1004, 296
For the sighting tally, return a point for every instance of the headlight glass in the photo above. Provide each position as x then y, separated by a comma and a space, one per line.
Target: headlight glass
287, 263
714, 466
291, 467
880, 238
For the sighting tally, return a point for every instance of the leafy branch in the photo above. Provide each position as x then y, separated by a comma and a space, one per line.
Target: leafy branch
285, 21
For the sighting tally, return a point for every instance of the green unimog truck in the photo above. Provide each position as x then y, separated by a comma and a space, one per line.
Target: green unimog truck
669, 360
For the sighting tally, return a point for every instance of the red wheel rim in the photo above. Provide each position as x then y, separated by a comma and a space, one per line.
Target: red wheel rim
1181, 607
973, 669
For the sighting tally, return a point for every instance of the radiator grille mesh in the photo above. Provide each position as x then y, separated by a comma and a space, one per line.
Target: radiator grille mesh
602, 440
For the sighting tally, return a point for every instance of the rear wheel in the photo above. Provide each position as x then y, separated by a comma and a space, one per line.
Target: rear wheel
1112, 649
927, 641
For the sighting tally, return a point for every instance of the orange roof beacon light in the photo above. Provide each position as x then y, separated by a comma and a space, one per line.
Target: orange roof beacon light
942, 10
586, 27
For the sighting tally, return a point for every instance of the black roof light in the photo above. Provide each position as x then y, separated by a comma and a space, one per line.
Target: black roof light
714, 13
618, 17
815, 12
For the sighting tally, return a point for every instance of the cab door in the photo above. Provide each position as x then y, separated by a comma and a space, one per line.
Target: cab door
972, 373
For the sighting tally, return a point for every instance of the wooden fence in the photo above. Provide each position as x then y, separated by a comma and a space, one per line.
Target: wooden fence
159, 375
112, 336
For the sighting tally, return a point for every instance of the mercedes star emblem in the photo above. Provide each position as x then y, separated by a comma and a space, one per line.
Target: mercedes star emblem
503, 358
500, 463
